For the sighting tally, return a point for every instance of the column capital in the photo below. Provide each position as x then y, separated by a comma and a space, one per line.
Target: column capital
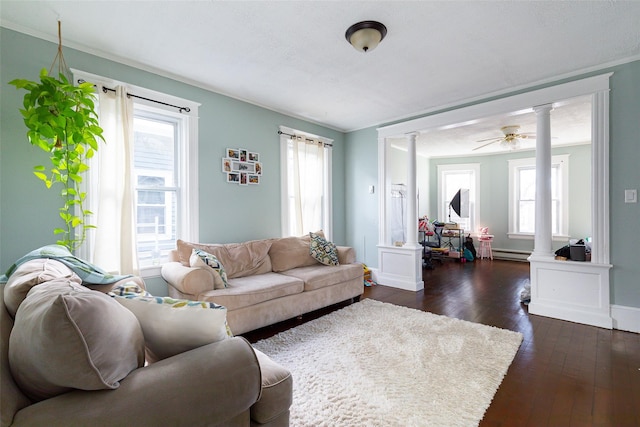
412, 135
543, 108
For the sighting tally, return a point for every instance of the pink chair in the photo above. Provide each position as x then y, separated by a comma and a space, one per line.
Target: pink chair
485, 240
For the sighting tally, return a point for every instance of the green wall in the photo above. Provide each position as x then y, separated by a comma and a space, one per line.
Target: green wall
362, 155
228, 213
494, 188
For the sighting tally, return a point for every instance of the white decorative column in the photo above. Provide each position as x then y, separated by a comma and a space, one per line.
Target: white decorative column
543, 234
399, 266
412, 196
569, 290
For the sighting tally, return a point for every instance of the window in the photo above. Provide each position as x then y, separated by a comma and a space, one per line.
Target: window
305, 183
156, 142
144, 197
452, 178
522, 200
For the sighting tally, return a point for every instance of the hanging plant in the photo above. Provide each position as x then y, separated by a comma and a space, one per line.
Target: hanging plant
61, 120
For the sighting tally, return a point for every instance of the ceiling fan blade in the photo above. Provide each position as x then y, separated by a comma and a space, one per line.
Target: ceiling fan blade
490, 139
489, 143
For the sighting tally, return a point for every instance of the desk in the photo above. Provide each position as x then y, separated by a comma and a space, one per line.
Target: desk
452, 238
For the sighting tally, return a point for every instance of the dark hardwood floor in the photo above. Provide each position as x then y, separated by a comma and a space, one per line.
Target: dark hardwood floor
564, 374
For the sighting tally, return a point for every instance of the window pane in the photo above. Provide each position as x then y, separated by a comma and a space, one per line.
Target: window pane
527, 183
454, 181
154, 165
527, 218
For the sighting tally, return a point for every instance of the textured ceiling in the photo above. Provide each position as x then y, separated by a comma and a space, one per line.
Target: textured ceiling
292, 56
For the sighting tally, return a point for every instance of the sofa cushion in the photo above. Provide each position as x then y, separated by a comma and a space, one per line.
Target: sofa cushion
33, 273
251, 290
320, 276
239, 259
290, 252
322, 250
202, 259
68, 337
172, 326
277, 391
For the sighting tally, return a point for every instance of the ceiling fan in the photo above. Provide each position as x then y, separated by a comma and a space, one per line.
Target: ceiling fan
510, 139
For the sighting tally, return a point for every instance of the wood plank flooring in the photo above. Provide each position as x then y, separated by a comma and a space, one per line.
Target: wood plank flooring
564, 374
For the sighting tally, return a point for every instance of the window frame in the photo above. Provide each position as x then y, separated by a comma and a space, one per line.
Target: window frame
559, 162
474, 193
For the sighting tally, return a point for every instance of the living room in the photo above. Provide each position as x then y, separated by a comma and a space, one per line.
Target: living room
231, 213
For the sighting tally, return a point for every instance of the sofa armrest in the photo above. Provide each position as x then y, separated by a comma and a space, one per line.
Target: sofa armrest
205, 386
346, 255
188, 280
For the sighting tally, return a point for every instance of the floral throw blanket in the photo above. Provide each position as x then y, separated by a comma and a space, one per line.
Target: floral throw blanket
90, 274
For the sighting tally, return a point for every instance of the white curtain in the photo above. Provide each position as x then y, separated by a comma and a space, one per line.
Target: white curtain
308, 185
114, 243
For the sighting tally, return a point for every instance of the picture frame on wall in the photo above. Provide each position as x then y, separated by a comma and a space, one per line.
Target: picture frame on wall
245, 167
233, 153
242, 166
226, 164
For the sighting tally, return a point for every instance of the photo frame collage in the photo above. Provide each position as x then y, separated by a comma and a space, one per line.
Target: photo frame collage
242, 167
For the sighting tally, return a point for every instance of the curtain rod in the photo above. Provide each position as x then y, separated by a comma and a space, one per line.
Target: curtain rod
130, 95
306, 139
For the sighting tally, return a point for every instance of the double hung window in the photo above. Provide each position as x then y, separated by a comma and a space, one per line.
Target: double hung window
522, 200
142, 184
305, 183
452, 178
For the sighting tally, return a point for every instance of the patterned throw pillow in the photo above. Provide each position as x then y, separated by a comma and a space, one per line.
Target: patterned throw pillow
200, 258
323, 250
172, 326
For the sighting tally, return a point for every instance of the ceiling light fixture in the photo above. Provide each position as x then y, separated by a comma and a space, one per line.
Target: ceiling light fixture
365, 35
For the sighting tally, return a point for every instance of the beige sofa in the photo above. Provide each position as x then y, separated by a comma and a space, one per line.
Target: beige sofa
99, 377
269, 280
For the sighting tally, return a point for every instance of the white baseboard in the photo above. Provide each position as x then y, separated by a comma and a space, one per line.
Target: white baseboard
626, 318
510, 254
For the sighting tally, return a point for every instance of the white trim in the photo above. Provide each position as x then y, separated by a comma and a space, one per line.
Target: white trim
626, 318
516, 104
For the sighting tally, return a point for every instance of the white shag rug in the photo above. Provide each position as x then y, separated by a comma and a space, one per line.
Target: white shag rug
378, 364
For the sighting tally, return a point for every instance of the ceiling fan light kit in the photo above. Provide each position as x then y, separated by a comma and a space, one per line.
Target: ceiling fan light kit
366, 35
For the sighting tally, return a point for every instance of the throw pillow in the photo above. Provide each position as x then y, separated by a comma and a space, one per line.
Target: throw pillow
291, 252
172, 326
33, 273
67, 337
202, 259
239, 259
322, 250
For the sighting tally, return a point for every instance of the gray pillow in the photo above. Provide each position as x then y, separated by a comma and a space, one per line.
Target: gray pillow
68, 337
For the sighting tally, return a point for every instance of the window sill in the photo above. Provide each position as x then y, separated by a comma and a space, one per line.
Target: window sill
531, 236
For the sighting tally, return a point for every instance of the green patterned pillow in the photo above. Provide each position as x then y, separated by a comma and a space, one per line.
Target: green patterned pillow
202, 259
323, 250
172, 326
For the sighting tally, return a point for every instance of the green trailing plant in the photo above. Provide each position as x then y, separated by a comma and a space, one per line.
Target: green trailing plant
61, 120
